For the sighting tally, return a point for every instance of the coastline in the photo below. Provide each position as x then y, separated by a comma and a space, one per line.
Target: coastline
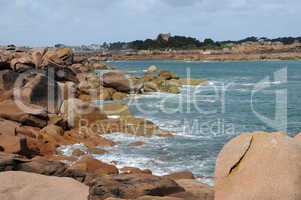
34, 136
252, 56
62, 139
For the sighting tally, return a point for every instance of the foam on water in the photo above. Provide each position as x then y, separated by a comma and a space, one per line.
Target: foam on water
196, 149
137, 156
68, 149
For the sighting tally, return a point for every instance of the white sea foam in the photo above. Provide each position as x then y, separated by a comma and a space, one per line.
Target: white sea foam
262, 83
67, 150
123, 137
121, 155
156, 95
134, 71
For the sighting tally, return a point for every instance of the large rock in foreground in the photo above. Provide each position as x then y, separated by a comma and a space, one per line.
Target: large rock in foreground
24, 186
261, 165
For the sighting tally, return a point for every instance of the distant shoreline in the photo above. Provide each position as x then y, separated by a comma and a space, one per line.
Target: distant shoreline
285, 56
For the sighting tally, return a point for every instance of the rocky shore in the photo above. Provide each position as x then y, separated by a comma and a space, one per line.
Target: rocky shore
49, 100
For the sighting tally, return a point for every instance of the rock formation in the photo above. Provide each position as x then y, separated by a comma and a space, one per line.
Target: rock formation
259, 166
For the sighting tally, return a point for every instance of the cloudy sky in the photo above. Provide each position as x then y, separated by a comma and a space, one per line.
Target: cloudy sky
73, 22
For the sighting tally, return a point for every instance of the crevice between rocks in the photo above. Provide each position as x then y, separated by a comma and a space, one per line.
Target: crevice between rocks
236, 165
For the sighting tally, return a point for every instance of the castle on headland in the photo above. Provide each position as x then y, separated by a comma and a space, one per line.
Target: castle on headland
164, 36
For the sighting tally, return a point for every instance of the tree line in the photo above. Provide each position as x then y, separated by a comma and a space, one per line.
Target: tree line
189, 43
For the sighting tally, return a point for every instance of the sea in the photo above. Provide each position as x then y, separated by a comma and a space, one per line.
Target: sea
240, 97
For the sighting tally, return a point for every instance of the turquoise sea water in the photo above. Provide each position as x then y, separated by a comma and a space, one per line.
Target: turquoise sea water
205, 118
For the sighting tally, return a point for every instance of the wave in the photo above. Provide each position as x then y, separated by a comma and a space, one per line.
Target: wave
122, 137
135, 71
155, 95
263, 83
159, 167
121, 156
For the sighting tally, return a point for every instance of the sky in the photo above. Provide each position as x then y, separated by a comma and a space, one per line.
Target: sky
77, 22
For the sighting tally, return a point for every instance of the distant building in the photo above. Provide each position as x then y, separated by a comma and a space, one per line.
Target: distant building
164, 36
60, 46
